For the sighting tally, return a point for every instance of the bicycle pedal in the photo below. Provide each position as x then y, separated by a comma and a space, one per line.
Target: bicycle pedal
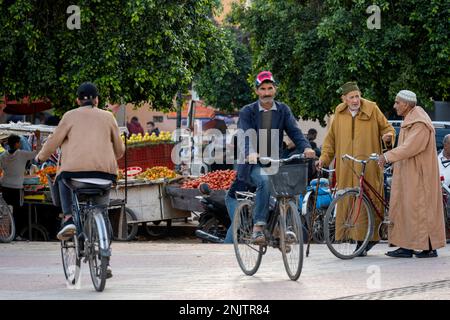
264, 249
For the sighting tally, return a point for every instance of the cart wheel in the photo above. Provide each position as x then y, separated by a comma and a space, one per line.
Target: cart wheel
158, 231
132, 228
38, 233
156, 223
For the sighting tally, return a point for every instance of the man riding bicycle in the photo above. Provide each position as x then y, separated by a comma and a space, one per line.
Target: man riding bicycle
90, 147
266, 117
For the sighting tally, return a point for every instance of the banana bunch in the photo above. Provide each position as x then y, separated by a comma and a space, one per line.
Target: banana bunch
146, 139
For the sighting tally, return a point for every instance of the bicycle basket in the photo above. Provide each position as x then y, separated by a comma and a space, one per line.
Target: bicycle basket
290, 180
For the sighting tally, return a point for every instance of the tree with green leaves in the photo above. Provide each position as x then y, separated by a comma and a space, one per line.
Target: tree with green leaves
315, 46
227, 88
134, 50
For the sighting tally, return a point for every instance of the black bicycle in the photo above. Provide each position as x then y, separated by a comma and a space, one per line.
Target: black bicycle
283, 230
93, 237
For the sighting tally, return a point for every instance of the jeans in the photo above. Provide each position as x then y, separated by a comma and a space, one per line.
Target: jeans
261, 181
231, 204
66, 198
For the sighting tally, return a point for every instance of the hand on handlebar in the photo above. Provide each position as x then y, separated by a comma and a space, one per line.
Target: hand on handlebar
253, 158
319, 164
309, 153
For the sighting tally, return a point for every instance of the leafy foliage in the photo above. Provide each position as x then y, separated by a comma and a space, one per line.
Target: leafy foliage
315, 46
227, 88
134, 50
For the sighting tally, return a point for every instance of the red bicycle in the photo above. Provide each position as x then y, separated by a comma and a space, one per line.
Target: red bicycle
350, 218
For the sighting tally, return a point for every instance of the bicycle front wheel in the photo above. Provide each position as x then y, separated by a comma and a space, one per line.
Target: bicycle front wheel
71, 260
7, 225
97, 257
348, 224
291, 240
248, 254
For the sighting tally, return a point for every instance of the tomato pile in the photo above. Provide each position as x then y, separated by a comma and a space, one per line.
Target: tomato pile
217, 180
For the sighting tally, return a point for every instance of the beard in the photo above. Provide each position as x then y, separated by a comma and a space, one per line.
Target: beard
353, 107
266, 100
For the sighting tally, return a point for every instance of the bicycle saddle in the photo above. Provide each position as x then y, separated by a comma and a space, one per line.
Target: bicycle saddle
88, 186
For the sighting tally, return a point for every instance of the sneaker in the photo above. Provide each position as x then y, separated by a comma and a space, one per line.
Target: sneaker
67, 231
108, 272
277, 245
258, 238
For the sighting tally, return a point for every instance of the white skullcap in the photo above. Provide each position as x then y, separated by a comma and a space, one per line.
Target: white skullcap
407, 95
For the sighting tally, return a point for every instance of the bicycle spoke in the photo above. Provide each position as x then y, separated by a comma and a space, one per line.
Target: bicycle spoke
248, 254
291, 241
348, 225
7, 226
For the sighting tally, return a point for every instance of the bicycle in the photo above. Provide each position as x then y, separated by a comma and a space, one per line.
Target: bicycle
348, 233
313, 207
93, 236
283, 229
7, 225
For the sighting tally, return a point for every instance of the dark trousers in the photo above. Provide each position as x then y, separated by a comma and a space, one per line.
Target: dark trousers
66, 198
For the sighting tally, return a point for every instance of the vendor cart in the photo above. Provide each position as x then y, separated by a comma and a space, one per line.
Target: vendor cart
148, 201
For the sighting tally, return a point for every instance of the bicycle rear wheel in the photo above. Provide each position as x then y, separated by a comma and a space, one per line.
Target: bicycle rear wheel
71, 260
98, 261
291, 240
248, 255
348, 224
7, 225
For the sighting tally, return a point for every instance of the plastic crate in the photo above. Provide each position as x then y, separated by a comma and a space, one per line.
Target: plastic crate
148, 156
290, 180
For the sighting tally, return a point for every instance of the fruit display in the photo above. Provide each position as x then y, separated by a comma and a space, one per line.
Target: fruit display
154, 173
44, 172
217, 180
158, 172
148, 139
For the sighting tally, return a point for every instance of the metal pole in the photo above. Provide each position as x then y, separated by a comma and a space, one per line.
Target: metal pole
179, 109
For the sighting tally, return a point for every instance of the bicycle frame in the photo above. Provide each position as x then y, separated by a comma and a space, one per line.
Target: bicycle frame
81, 212
365, 187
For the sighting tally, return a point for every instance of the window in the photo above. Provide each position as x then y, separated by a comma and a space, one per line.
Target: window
158, 119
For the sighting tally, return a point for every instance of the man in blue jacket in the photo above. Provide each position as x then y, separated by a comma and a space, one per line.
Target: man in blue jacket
268, 120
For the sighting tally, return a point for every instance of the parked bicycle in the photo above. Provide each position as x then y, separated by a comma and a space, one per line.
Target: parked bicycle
93, 237
350, 217
7, 225
283, 229
319, 196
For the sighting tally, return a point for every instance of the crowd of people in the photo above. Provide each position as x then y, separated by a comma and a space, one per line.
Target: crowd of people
358, 128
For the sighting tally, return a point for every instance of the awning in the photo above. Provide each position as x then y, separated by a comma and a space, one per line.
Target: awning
24, 106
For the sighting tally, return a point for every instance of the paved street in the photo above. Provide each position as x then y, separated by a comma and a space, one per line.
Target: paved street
166, 271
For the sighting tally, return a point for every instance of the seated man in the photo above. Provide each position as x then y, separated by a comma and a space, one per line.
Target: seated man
90, 146
262, 119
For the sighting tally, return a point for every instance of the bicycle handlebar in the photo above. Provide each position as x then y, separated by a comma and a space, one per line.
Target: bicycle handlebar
293, 157
372, 157
328, 170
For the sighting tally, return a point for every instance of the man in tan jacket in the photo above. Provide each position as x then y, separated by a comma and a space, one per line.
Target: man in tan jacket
415, 209
357, 128
90, 147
